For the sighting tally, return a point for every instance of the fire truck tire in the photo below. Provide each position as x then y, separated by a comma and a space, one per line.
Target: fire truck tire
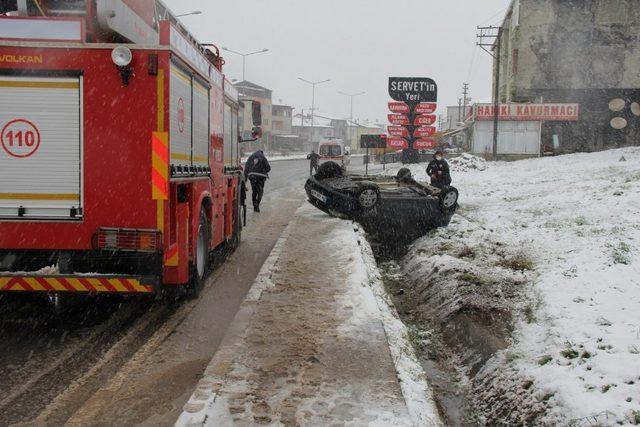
237, 237
200, 267
237, 232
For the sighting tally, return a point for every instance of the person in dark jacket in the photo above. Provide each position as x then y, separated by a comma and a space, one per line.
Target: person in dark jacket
256, 170
438, 170
314, 159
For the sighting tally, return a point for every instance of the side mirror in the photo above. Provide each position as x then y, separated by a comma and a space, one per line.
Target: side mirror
256, 132
256, 113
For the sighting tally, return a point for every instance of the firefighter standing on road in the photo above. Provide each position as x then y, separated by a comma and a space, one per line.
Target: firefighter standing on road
438, 170
257, 170
314, 159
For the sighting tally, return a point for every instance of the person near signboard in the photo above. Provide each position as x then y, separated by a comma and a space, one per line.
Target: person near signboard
314, 161
438, 170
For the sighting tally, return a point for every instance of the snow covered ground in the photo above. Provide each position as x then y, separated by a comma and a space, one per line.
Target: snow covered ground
315, 342
561, 237
274, 157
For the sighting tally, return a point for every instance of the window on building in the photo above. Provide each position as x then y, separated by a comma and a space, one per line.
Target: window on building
514, 61
277, 125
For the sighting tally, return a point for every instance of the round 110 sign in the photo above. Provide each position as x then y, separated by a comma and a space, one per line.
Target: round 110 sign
20, 138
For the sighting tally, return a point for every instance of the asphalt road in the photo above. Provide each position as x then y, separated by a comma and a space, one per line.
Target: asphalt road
117, 361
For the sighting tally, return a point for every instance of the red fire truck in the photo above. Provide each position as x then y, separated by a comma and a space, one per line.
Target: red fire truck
119, 155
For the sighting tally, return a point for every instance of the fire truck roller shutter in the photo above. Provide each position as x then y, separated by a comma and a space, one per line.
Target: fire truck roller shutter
200, 124
41, 147
180, 117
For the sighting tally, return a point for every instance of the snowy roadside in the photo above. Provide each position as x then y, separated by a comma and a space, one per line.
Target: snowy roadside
415, 388
553, 244
276, 157
316, 341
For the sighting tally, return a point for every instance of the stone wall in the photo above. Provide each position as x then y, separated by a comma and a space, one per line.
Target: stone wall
578, 44
583, 51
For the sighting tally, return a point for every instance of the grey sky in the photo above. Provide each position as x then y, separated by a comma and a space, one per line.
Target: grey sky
357, 44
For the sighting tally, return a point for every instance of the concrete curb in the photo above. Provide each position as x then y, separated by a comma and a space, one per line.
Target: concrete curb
416, 391
204, 397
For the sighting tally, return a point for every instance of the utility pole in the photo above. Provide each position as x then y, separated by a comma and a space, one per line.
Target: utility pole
465, 92
313, 96
459, 109
495, 34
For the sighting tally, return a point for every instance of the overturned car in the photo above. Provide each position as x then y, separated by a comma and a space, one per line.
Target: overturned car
387, 207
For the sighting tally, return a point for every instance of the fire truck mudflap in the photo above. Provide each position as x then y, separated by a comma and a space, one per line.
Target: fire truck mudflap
85, 283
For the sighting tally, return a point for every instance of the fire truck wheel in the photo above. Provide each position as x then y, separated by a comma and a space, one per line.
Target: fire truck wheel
237, 236
200, 266
237, 232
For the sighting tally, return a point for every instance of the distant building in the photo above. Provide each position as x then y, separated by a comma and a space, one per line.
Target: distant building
356, 130
311, 134
281, 119
575, 51
330, 127
283, 138
456, 116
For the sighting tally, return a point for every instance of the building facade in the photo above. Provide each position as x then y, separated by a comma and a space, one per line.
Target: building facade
312, 133
456, 115
283, 139
281, 119
575, 51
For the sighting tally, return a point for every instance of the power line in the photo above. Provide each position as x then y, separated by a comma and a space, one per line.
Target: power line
500, 12
473, 60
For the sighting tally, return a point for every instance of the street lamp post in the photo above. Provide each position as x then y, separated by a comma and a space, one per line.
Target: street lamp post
195, 12
313, 95
351, 96
244, 57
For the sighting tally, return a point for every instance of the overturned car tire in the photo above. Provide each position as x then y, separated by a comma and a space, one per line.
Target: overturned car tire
448, 198
367, 195
329, 170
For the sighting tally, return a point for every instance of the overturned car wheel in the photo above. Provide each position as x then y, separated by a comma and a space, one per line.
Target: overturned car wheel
448, 198
367, 195
329, 170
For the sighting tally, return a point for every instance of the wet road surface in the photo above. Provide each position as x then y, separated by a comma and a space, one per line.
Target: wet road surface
130, 361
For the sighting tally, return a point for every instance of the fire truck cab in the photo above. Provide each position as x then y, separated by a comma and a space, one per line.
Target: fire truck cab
119, 149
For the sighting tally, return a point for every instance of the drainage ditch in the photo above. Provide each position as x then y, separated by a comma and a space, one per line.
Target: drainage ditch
459, 304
